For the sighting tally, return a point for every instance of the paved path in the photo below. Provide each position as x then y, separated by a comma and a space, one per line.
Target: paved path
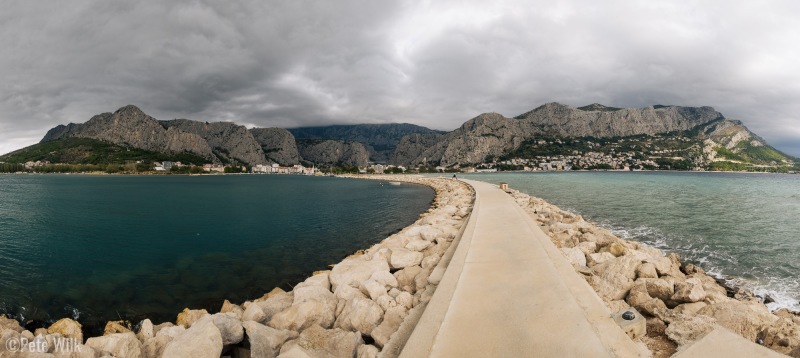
508, 292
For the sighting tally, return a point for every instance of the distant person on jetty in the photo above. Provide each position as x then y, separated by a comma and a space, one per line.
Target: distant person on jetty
454, 177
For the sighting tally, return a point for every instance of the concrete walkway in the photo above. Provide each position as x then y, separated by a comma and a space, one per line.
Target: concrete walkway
508, 292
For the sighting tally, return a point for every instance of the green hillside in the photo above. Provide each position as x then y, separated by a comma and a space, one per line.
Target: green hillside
92, 151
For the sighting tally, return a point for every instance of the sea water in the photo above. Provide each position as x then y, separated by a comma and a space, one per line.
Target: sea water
739, 226
98, 248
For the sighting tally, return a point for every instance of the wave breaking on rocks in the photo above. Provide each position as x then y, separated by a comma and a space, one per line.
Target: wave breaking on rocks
680, 301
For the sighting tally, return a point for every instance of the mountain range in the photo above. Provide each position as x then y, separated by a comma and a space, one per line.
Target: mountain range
708, 137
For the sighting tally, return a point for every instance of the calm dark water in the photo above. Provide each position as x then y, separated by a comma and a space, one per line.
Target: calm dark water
98, 248
740, 226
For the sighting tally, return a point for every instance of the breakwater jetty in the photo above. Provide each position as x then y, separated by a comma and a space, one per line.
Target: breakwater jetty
484, 272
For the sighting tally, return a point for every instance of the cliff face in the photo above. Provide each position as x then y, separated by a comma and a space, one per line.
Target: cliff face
600, 121
380, 140
410, 147
129, 126
229, 141
278, 145
491, 134
333, 152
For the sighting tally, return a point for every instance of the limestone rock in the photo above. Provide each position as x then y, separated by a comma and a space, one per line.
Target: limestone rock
320, 278
391, 322
598, 258
202, 340
359, 314
266, 341
189, 317
336, 152
405, 299
402, 258
647, 270
146, 330
688, 329
689, 308
744, 318
237, 310
660, 288
418, 245
306, 314
66, 328
575, 256
373, 289
612, 279
117, 344
405, 278
230, 327
783, 336
263, 311
347, 292
690, 290
319, 342
639, 299
354, 270
367, 351
172, 331
116, 327
278, 144
11, 324
384, 278
154, 347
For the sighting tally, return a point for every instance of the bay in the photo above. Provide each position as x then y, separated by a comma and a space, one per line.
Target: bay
100, 248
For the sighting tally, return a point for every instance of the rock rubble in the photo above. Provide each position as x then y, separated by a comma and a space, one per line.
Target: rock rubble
680, 301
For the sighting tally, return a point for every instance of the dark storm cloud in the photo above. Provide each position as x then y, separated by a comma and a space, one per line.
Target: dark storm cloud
436, 64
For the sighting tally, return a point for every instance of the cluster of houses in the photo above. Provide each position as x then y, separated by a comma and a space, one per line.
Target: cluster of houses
279, 169
38, 163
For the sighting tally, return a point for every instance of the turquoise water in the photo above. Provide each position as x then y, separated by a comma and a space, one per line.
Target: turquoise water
745, 227
107, 247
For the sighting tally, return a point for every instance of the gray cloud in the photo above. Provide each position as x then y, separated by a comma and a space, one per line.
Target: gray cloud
296, 63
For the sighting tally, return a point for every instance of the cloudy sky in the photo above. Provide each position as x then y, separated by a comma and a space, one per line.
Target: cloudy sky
437, 64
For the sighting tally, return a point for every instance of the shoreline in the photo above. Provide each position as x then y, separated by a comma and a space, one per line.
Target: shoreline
353, 308
682, 303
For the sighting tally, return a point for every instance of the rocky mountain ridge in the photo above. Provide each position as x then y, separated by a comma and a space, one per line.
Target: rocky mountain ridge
483, 138
380, 140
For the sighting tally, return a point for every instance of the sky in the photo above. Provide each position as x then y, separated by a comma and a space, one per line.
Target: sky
436, 64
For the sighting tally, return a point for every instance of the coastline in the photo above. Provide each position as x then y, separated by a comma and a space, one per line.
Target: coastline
354, 308
681, 302
367, 304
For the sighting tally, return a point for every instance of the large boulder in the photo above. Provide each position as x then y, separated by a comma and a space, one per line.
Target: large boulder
189, 317
356, 269
320, 278
323, 343
575, 256
11, 324
230, 327
639, 299
306, 314
614, 278
154, 347
391, 322
689, 291
262, 311
66, 328
359, 314
146, 330
372, 288
783, 336
202, 340
745, 318
266, 341
118, 345
418, 245
402, 258
687, 329
227, 307
405, 278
